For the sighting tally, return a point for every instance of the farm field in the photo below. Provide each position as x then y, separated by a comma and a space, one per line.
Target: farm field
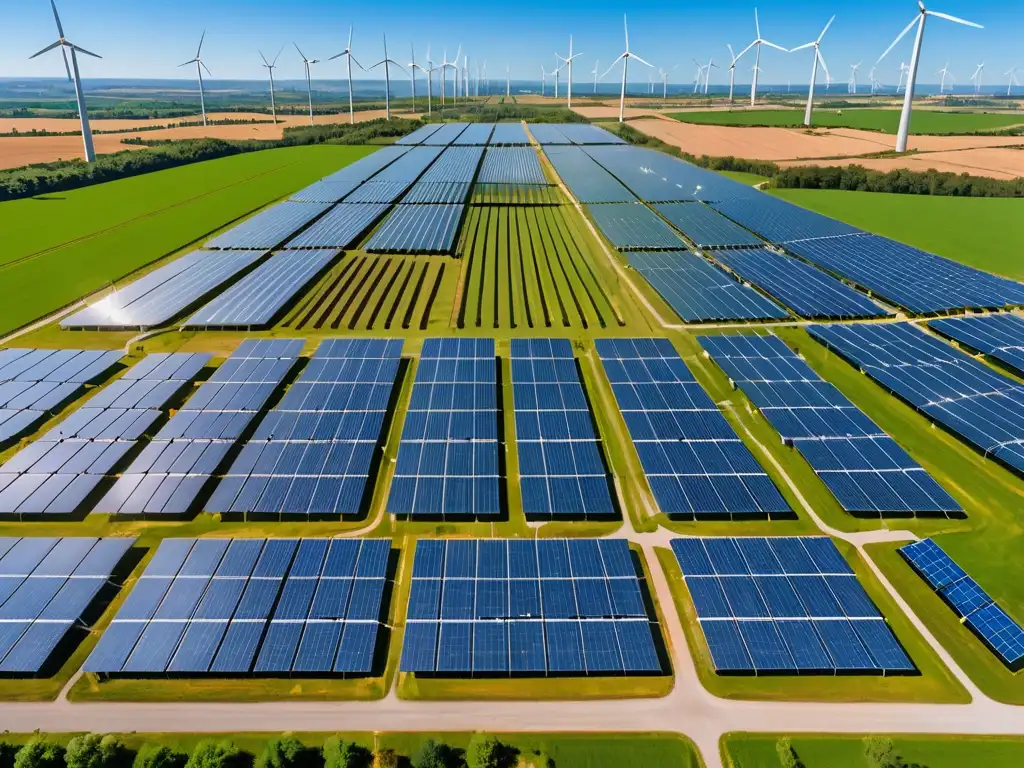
61, 247
750, 750
930, 122
974, 230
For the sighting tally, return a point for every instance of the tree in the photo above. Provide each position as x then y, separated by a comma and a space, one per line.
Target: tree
92, 750
339, 753
40, 753
285, 751
881, 753
216, 754
483, 752
432, 755
159, 756
787, 755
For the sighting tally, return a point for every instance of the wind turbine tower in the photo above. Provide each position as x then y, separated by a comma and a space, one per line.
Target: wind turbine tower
945, 73
733, 58
1012, 74
270, 68
707, 74
309, 86
387, 77
817, 59
756, 45
594, 73
851, 85
976, 77
199, 69
508, 81
413, 66
624, 57
568, 63
349, 58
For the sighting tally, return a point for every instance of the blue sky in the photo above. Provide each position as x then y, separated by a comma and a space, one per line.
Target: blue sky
142, 38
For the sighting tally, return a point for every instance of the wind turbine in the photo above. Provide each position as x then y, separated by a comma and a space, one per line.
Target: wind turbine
871, 79
349, 58
697, 75
732, 69
945, 73
903, 73
555, 72
200, 66
508, 81
594, 73
387, 77
307, 63
625, 56
976, 77
429, 72
568, 63
413, 66
270, 68
446, 65
707, 74
915, 57
1012, 74
664, 81
758, 42
818, 58
851, 85
465, 76
65, 45
543, 80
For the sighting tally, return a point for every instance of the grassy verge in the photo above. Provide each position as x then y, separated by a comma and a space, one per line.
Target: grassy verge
755, 750
884, 120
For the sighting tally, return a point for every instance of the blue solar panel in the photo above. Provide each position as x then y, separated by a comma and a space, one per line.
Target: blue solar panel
634, 227
418, 229
477, 134
325, 191
417, 136
998, 336
511, 165
509, 134
655, 176
703, 227
366, 167
588, 181
446, 134
270, 227
341, 227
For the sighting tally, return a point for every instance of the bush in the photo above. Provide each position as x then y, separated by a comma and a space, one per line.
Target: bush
40, 753
159, 756
95, 751
339, 753
486, 752
432, 755
788, 757
881, 753
286, 752
216, 754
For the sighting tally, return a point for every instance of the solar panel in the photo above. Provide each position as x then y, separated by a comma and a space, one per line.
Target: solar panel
511, 165
970, 399
454, 164
1001, 633
863, 467
446, 134
653, 176
704, 227
270, 227
220, 611
314, 453
784, 605
325, 191
378, 192
778, 221
418, 229
342, 227
561, 469
417, 136
629, 227
169, 475
588, 181
546, 133
366, 167
699, 291
999, 336
475, 134
49, 586
165, 293
407, 168
474, 608
695, 463
447, 461
258, 298
508, 134
587, 133
447, 192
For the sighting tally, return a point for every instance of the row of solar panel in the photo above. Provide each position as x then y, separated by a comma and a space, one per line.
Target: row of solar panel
461, 134
572, 133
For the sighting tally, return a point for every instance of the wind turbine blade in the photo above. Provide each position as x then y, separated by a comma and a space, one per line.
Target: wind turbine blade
801, 47
350, 39
899, 37
376, 65
300, 51
87, 53
757, 24
625, 27
826, 28
621, 56
190, 61
821, 60
947, 17
60, 29
773, 45
67, 67
337, 55
56, 45
396, 64
745, 50
203, 65
274, 63
731, 54
265, 62
200, 48
634, 56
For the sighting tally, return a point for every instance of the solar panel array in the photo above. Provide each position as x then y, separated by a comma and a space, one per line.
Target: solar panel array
695, 463
165, 293
561, 471
653, 176
325, 191
587, 133
35, 382
455, 164
588, 181
704, 227
447, 464
547, 134
526, 607
863, 467
341, 227
632, 227
476, 134
788, 605
169, 474
312, 454
409, 166
366, 167
509, 134
443, 192
47, 586
259, 297
377, 192
972, 604
699, 291
920, 281
268, 228
970, 399
807, 291
999, 336
418, 229
272, 607
446, 134
417, 136
57, 473
511, 165
778, 221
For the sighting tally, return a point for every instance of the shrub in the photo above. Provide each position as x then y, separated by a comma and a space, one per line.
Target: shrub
788, 757
95, 751
339, 753
431, 754
159, 756
40, 753
881, 753
216, 754
286, 752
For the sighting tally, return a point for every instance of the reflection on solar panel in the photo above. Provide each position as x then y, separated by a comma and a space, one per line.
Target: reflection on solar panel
446, 134
779, 221
57, 473
447, 192
562, 473
1003, 636
694, 462
325, 191
998, 336
417, 136
704, 227
257, 299
35, 382
630, 227
511, 165
270, 227
785, 605
165, 293
965, 396
922, 282
342, 227
170, 473
509, 134
448, 457
699, 291
475, 133
409, 166
273, 607
806, 290
527, 607
585, 133
378, 192
546, 133
455, 164
48, 587
418, 229
652, 176
366, 167
588, 181
313, 454
863, 467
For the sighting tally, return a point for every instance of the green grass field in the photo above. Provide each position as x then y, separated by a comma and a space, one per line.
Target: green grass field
977, 231
61, 247
743, 177
884, 120
745, 750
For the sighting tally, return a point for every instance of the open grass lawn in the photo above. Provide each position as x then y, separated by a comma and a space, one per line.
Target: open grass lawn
748, 750
61, 247
884, 120
743, 177
982, 232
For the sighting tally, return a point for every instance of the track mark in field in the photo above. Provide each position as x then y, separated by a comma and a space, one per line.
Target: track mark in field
575, 257
361, 306
383, 296
536, 270
324, 295
342, 289
407, 320
336, 323
398, 297
482, 271
430, 299
522, 274
517, 253
547, 247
